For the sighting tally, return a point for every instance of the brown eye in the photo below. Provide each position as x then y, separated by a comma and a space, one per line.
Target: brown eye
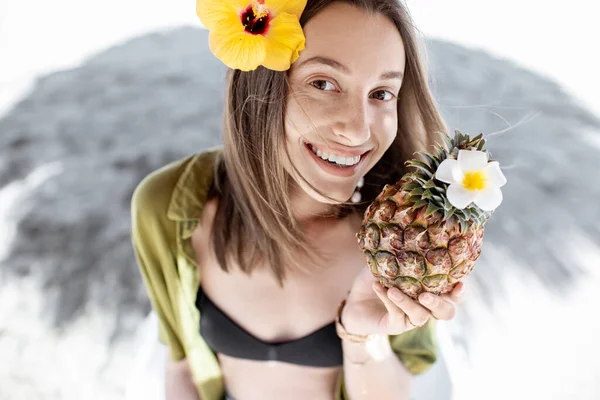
322, 84
383, 95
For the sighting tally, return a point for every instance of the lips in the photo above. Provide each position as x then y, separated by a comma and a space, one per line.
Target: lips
340, 151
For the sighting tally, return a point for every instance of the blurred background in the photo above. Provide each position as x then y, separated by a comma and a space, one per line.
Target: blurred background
93, 96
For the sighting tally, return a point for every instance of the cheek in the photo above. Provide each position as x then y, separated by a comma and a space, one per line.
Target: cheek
295, 124
306, 114
296, 129
387, 124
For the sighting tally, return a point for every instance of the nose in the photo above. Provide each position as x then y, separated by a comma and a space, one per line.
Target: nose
352, 125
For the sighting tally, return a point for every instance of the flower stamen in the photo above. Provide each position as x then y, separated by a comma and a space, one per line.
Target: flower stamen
474, 180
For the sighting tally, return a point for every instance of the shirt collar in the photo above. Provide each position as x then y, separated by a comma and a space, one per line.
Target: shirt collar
192, 187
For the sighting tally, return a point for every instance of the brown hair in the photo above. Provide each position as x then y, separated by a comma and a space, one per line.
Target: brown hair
254, 222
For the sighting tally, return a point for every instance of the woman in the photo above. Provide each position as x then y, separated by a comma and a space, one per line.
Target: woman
258, 238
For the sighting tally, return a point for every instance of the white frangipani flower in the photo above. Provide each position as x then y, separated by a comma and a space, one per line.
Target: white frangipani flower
472, 179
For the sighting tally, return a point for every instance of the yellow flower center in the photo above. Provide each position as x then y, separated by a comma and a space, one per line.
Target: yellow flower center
474, 180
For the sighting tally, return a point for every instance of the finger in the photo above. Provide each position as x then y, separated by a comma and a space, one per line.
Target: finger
440, 308
395, 313
415, 314
456, 295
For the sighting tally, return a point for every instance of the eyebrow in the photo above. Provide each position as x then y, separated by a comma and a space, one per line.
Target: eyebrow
339, 66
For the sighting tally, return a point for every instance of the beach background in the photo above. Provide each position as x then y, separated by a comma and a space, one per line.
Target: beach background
93, 96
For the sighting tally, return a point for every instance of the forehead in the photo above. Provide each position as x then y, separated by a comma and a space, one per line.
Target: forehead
354, 38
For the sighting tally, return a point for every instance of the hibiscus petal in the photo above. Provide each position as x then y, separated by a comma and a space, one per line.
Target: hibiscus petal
241, 50
470, 160
494, 175
294, 7
460, 197
489, 198
285, 39
218, 14
447, 171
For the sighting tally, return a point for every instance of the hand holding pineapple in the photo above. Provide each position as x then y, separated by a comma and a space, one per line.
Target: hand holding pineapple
372, 308
422, 235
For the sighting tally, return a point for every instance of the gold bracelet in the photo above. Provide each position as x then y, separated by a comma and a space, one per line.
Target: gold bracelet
341, 331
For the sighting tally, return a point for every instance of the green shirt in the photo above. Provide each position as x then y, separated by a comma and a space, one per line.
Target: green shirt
166, 206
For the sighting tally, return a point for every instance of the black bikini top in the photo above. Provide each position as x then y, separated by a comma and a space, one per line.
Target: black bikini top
321, 348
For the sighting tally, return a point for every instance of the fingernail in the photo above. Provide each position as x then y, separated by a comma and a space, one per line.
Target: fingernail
427, 298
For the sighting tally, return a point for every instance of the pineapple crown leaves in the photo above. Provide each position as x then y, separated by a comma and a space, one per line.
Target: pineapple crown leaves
425, 190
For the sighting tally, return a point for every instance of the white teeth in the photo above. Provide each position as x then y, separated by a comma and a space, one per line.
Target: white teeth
341, 160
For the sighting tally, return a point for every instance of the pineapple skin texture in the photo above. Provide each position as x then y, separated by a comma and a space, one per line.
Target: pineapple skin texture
413, 252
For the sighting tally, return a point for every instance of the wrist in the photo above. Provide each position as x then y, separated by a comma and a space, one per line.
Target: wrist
342, 329
360, 349
376, 348
344, 321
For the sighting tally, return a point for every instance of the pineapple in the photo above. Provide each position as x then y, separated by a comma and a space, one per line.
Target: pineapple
413, 238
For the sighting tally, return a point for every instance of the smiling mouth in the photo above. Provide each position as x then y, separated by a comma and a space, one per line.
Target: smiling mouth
335, 160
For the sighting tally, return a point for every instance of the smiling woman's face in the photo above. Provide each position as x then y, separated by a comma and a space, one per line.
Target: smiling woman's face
342, 102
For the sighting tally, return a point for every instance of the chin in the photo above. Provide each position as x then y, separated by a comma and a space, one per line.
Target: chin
338, 196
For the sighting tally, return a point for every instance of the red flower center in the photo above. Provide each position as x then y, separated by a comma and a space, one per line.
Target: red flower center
255, 24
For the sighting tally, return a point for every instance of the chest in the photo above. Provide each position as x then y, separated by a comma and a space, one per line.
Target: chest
307, 301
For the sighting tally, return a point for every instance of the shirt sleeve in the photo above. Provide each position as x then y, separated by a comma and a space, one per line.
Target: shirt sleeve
153, 240
417, 348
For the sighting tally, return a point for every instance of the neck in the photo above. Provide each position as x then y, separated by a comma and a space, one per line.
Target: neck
306, 209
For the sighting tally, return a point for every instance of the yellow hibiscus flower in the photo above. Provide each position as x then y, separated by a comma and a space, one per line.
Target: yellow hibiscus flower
247, 33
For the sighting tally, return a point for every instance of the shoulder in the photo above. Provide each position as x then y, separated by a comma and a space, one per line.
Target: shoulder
154, 191
165, 190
